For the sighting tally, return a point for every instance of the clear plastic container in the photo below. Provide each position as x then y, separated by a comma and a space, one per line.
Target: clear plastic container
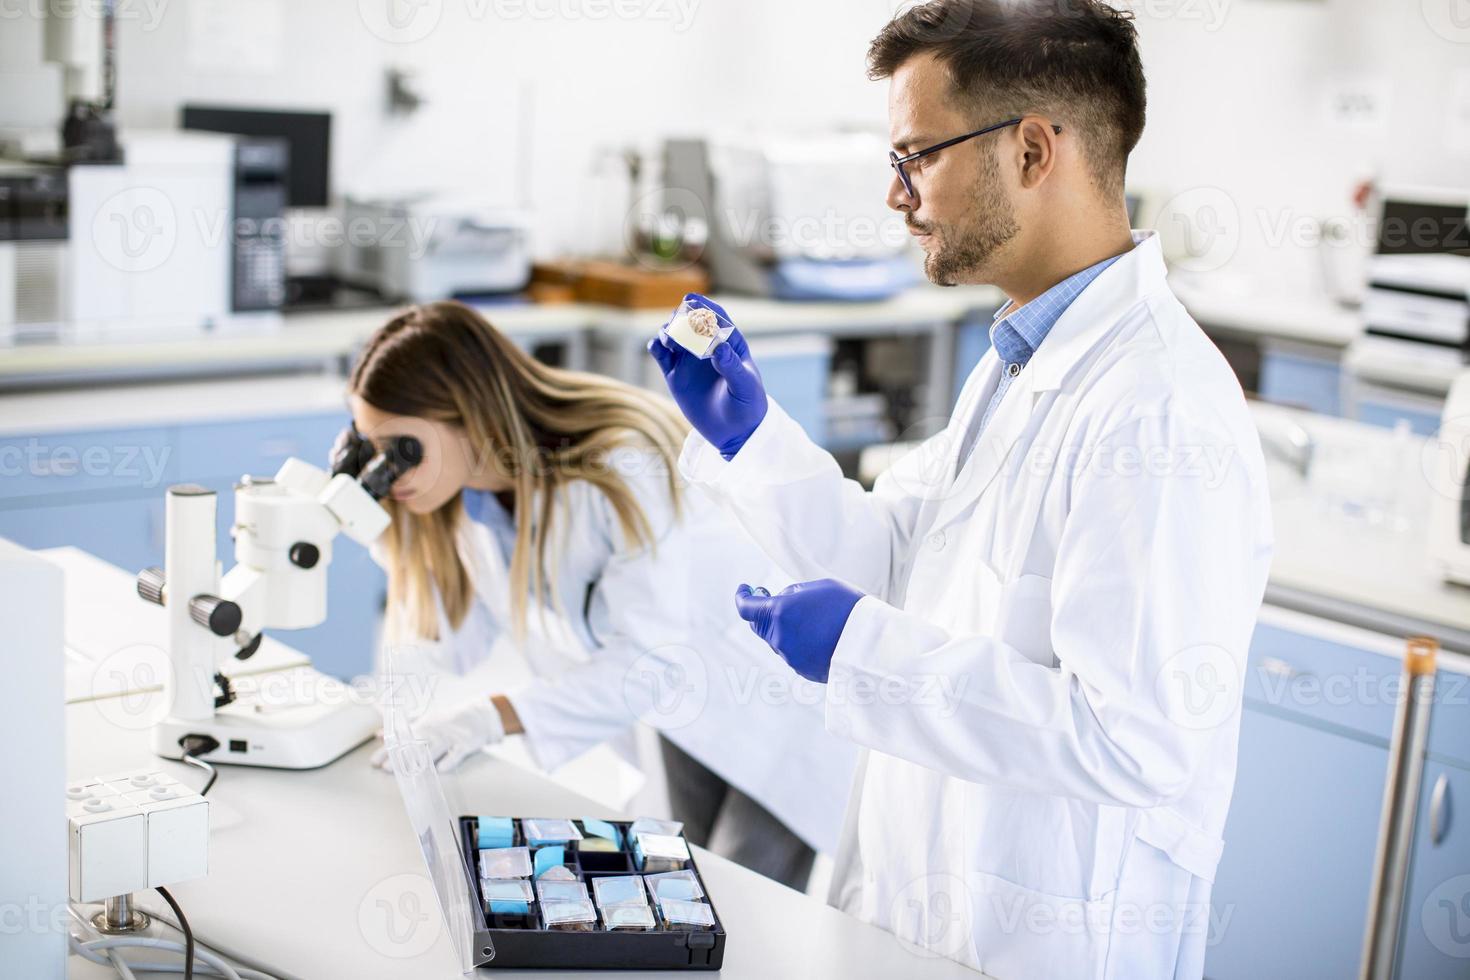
561, 891
619, 890
697, 328
653, 825
554, 831
507, 896
660, 852
505, 862
674, 886
576, 916
627, 918
687, 915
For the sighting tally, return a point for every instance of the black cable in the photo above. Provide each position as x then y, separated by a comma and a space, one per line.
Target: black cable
184, 927
193, 746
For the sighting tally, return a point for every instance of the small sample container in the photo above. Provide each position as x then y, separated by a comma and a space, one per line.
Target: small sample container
576, 916
675, 886
505, 862
627, 918
619, 890
558, 872
539, 832
561, 891
506, 896
653, 825
697, 328
696, 916
660, 852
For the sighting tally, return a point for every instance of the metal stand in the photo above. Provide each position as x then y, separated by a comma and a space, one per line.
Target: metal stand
119, 917
1400, 810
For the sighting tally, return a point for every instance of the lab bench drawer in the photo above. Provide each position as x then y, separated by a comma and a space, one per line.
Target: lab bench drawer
55, 463
1324, 677
1302, 380
794, 371
127, 533
257, 446
1434, 936
1291, 893
1449, 722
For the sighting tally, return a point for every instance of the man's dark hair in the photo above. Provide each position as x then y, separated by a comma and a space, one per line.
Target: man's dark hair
1075, 61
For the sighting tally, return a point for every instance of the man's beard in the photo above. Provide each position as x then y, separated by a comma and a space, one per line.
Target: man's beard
961, 253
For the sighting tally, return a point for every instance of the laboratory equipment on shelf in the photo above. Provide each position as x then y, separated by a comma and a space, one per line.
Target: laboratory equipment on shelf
429, 247
792, 217
283, 535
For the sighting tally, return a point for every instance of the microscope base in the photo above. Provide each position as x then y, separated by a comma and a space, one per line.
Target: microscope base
289, 719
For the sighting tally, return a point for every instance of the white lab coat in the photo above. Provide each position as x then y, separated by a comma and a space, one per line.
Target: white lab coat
1086, 585
653, 635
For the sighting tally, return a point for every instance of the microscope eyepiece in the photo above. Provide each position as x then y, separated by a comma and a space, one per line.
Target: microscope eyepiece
350, 452
401, 454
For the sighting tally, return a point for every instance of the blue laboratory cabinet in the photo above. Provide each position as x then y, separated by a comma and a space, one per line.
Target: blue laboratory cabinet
103, 491
1434, 937
1291, 892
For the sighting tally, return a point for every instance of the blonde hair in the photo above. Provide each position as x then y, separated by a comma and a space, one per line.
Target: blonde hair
544, 427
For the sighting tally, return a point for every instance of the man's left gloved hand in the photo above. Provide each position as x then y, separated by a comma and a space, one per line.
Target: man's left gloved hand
802, 622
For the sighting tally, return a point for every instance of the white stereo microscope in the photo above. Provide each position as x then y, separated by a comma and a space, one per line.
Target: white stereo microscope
283, 535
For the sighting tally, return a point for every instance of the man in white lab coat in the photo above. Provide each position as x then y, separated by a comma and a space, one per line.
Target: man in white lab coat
1037, 622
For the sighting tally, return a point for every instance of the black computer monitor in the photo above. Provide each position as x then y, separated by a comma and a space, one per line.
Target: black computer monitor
1423, 226
309, 135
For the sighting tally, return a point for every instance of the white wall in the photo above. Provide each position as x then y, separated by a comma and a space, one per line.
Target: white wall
1237, 100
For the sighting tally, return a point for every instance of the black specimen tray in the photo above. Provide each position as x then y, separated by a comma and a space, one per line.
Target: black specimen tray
522, 942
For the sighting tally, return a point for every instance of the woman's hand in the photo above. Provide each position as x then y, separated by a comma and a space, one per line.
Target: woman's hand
453, 735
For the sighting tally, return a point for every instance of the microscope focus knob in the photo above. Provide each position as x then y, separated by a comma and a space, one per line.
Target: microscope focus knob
150, 584
304, 554
220, 616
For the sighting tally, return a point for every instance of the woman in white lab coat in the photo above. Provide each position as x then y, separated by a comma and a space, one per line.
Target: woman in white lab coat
547, 508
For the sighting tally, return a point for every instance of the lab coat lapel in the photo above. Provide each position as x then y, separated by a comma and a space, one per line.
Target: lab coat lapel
1086, 324
991, 449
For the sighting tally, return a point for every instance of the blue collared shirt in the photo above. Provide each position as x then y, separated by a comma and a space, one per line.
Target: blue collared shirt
1015, 333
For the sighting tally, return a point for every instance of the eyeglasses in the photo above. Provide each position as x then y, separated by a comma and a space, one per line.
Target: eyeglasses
900, 162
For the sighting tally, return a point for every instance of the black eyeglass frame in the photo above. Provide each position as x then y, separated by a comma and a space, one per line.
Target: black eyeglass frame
899, 162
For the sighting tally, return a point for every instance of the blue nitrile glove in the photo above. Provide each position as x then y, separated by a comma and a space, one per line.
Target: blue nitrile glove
802, 622
722, 397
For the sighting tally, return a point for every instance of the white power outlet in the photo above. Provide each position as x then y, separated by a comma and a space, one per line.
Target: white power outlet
132, 831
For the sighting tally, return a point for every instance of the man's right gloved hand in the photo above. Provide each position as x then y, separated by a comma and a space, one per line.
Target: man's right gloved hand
722, 397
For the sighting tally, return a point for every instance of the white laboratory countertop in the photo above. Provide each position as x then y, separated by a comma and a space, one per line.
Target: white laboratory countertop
1338, 553
321, 337
169, 402
303, 865
301, 338
1310, 317
326, 336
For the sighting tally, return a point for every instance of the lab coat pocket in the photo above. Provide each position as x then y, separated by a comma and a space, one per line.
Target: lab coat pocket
1015, 612
1022, 932
1023, 618
1050, 844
